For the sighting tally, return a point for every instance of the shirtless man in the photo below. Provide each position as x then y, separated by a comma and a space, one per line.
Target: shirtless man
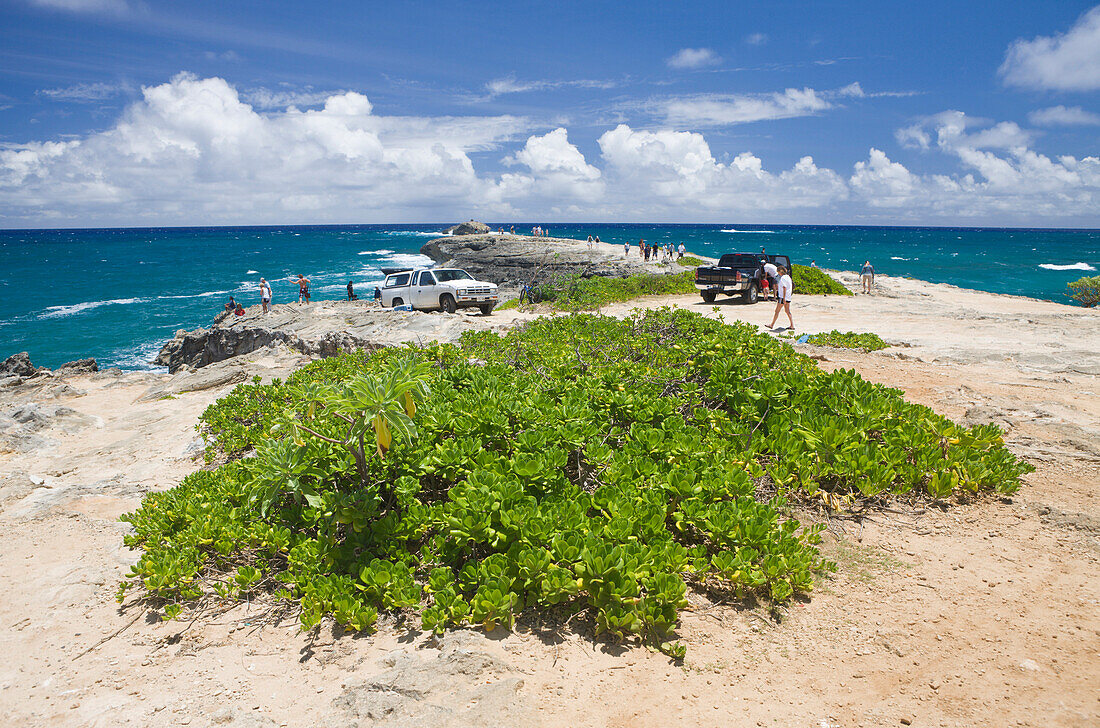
303, 288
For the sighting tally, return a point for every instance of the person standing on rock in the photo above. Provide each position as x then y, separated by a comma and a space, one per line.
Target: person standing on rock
303, 288
867, 276
591, 242
682, 250
626, 250
265, 294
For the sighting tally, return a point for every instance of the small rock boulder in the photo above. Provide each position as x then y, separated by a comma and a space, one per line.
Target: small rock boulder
80, 366
470, 228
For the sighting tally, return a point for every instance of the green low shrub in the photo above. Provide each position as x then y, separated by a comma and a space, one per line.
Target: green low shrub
1086, 291
814, 281
848, 340
690, 261
581, 463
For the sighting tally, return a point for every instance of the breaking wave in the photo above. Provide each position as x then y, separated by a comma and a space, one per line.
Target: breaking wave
1074, 266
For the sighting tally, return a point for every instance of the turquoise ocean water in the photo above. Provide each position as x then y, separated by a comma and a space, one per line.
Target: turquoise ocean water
119, 294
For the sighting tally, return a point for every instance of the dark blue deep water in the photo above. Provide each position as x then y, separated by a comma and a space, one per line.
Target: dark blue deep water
119, 294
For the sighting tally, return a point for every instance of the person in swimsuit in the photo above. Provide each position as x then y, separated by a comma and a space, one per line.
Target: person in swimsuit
351, 292
303, 288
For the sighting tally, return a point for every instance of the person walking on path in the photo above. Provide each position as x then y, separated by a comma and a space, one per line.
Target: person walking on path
265, 294
867, 275
681, 250
303, 288
783, 301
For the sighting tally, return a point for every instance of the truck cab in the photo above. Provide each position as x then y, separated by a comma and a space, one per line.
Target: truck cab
447, 289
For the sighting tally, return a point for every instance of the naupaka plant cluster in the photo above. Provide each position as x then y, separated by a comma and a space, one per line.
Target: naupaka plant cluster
580, 463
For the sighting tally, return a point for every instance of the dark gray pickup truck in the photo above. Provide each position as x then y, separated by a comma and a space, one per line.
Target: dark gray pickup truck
737, 274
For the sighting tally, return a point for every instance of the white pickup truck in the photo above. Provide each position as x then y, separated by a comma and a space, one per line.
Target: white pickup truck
444, 288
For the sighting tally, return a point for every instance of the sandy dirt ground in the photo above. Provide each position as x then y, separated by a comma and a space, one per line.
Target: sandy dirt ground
979, 614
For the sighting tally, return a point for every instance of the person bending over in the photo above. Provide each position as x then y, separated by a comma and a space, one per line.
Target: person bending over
783, 301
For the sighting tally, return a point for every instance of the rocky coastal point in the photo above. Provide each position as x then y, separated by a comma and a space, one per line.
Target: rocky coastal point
512, 260
328, 328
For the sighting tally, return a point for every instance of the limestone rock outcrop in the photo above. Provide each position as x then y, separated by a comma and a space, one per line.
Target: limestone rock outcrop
512, 260
473, 227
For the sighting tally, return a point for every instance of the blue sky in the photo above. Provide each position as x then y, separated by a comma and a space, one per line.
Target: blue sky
120, 112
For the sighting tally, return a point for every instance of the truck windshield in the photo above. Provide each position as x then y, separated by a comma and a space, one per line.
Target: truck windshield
453, 274
738, 260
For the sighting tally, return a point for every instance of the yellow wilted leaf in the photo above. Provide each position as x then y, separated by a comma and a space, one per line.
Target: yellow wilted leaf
410, 404
382, 434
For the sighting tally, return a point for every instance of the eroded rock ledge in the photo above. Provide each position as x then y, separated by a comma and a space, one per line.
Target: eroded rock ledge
321, 329
512, 260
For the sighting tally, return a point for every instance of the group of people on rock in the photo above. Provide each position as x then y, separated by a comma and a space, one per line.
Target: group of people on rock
652, 252
538, 231
301, 281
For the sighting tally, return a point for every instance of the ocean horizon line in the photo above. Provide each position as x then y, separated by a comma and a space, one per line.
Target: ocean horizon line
451, 223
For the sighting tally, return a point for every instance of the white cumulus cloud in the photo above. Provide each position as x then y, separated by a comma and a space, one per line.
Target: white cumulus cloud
558, 173
1063, 116
673, 173
1003, 179
723, 110
1065, 62
687, 58
191, 151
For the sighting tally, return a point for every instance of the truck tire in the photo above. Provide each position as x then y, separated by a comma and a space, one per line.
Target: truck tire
397, 302
752, 295
447, 303
487, 308
709, 296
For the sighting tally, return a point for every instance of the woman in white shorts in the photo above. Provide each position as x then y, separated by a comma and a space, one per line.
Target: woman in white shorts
784, 289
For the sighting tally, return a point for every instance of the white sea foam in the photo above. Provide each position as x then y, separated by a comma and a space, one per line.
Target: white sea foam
62, 311
898, 257
204, 294
1074, 266
762, 232
140, 358
251, 272
411, 260
414, 233
382, 251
